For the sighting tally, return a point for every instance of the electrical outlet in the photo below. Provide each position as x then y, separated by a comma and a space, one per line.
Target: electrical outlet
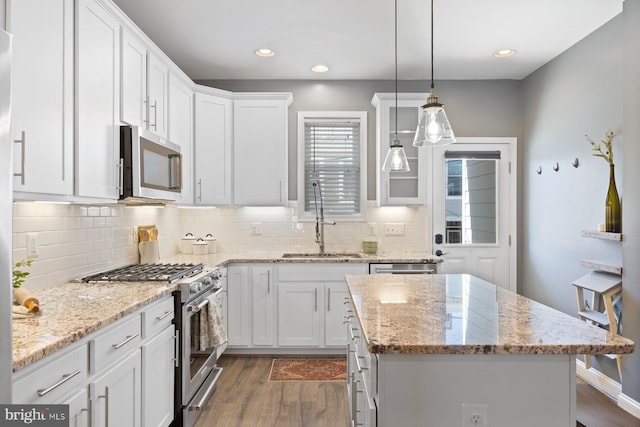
33, 247
372, 229
474, 415
394, 229
256, 228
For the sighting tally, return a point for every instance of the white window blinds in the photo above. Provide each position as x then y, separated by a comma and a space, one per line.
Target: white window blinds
332, 156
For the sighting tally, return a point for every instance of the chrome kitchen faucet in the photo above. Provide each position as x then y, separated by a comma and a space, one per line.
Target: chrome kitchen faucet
320, 222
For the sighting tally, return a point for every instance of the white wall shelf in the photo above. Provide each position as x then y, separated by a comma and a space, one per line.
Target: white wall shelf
602, 235
602, 266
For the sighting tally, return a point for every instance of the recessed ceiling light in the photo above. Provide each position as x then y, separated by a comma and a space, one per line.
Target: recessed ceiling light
320, 69
504, 53
265, 53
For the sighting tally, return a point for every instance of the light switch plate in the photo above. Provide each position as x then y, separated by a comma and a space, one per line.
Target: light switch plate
33, 246
394, 229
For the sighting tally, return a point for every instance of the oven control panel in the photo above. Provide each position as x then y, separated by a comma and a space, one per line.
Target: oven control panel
208, 280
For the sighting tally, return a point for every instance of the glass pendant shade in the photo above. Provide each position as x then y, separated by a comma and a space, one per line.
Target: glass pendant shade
434, 128
396, 159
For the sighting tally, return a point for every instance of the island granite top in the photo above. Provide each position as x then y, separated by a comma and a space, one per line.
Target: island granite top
462, 314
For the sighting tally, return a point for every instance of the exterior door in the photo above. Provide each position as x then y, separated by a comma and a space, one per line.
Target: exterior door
474, 215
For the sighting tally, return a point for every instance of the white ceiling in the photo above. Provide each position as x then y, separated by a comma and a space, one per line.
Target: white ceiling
216, 39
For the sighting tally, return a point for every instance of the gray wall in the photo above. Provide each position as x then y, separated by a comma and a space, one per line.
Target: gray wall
579, 92
631, 205
475, 108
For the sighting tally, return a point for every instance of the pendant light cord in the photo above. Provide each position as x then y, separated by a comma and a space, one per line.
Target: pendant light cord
396, 64
432, 85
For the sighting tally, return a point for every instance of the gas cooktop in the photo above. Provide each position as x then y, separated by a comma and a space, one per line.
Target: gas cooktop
146, 273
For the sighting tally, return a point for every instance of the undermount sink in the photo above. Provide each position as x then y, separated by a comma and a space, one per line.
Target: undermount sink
325, 255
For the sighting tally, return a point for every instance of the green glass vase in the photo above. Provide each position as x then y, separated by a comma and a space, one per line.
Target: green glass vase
613, 213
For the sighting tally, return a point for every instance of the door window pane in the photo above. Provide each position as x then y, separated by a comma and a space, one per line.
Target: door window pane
470, 200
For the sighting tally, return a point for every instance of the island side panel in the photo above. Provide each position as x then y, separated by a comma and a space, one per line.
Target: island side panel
429, 390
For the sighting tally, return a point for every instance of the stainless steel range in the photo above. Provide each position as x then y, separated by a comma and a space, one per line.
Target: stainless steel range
196, 365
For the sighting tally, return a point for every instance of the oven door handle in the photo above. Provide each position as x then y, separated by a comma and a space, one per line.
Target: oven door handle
197, 307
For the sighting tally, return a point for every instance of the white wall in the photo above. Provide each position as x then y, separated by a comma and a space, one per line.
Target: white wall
631, 199
579, 92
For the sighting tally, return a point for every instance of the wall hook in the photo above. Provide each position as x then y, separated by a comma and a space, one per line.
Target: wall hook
539, 171
556, 167
576, 163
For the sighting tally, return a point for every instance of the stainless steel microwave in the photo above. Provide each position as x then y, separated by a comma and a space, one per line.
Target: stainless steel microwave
150, 167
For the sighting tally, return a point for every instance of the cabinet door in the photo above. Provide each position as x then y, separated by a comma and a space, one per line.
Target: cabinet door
263, 312
213, 127
133, 80
400, 188
239, 306
115, 395
181, 131
98, 104
78, 408
158, 356
158, 78
299, 306
260, 153
42, 85
335, 330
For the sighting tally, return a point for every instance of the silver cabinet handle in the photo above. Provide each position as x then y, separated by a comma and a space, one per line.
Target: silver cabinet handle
155, 115
105, 396
315, 308
164, 316
129, 338
268, 281
328, 299
176, 349
22, 142
65, 378
200, 189
120, 167
146, 110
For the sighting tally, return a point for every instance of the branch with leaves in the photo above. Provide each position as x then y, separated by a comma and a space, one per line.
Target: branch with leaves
604, 148
19, 276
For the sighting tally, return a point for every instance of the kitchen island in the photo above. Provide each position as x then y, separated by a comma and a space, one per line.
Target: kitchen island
437, 350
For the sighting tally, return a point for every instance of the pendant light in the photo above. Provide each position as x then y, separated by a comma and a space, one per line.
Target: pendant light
396, 159
434, 128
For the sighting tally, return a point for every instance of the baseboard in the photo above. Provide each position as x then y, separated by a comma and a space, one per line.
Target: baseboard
609, 387
599, 380
629, 405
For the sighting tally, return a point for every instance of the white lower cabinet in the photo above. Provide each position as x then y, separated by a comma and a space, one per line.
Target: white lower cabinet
158, 362
288, 306
298, 315
115, 395
78, 408
122, 375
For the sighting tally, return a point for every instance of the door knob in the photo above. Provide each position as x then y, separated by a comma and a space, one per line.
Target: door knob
440, 253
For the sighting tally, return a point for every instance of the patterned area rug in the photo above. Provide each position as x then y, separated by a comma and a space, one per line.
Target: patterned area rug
325, 369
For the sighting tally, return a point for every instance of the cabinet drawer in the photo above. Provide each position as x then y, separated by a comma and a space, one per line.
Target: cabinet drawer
319, 272
157, 316
112, 345
53, 378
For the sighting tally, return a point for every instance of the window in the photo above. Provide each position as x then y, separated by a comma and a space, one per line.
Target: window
332, 152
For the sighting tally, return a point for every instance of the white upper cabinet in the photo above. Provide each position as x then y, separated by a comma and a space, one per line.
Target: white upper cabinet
212, 157
42, 120
157, 75
260, 146
399, 188
97, 100
133, 81
181, 131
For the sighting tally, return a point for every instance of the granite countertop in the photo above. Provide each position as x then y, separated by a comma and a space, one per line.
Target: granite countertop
72, 311
462, 314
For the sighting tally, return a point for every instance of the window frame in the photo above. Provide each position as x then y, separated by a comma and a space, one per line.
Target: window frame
303, 117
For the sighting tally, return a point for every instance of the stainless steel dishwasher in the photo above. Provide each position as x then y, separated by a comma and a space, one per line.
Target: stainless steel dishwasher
403, 268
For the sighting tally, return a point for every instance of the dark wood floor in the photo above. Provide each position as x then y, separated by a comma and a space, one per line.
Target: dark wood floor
244, 397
